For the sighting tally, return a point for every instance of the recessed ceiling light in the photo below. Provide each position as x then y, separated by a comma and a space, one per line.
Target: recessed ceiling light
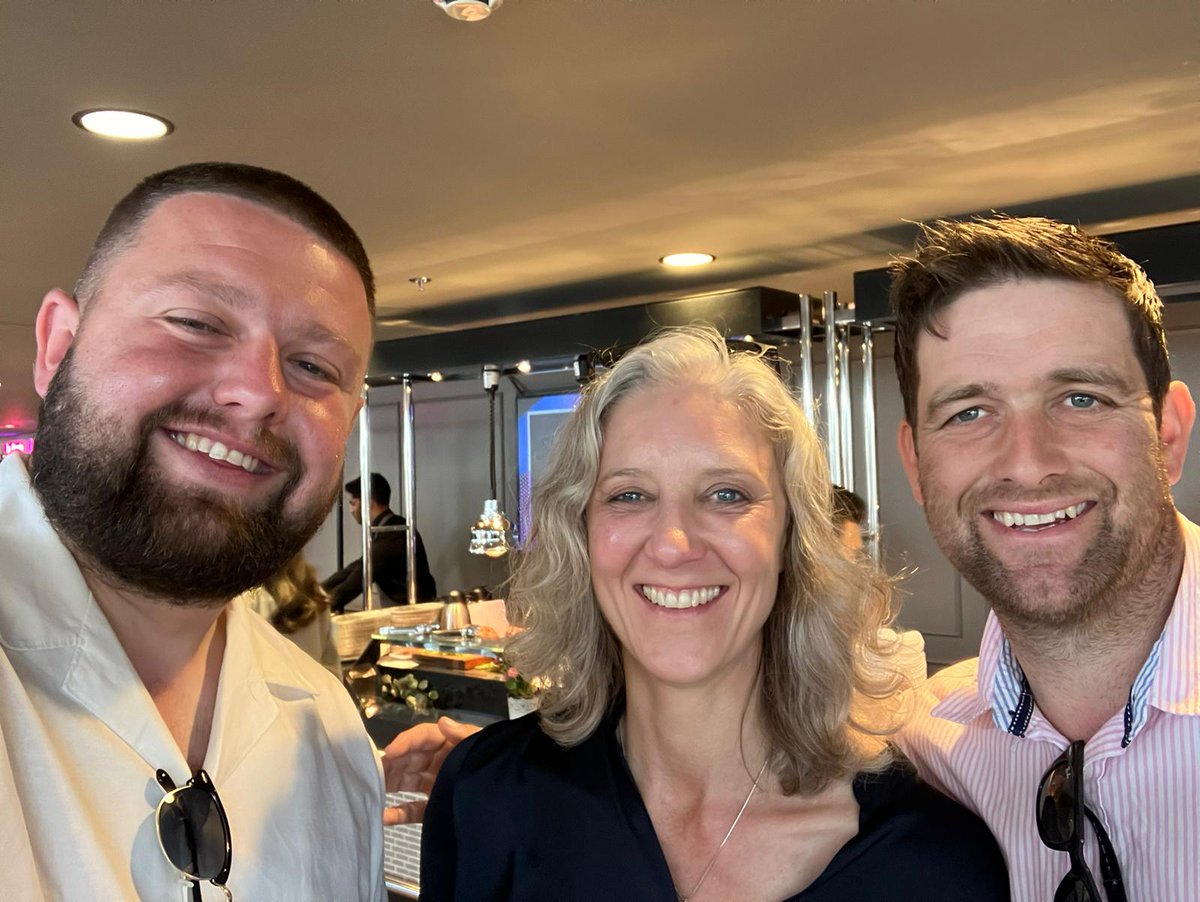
689, 259
127, 124
469, 10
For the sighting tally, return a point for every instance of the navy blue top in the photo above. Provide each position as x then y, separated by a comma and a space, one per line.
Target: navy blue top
513, 815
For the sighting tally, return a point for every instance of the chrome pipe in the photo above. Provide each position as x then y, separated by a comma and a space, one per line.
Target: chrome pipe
845, 407
408, 473
833, 429
870, 446
370, 602
806, 360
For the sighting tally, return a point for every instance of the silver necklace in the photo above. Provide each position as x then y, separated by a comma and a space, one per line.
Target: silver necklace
728, 833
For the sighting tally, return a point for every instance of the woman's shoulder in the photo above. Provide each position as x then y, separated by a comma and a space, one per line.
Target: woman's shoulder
511, 749
496, 742
922, 844
931, 834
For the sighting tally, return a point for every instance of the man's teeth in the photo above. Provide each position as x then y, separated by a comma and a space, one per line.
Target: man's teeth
687, 598
1014, 519
215, 450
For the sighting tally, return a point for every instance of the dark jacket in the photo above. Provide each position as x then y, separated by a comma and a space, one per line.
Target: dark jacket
389, 569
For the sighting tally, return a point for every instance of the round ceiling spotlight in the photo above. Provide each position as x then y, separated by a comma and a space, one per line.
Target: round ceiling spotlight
469, 10
127, 124
688, 259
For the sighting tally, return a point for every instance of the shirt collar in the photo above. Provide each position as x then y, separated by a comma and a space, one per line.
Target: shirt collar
1176, 688
46, 600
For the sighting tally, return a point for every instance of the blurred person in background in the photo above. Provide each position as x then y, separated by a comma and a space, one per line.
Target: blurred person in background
294, 603
906, 647
389, 553
849, 516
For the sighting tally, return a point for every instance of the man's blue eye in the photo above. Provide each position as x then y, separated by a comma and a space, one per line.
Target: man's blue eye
970, 415
314, 370
192, 325
1080, 401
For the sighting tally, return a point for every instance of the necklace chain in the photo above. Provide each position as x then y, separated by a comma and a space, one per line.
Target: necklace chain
728, 833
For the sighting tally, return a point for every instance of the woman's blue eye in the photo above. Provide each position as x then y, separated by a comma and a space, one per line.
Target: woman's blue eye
627, 496
728, 496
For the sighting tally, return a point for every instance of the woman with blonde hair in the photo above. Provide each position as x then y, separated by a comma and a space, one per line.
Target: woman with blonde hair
296, 605
711, 730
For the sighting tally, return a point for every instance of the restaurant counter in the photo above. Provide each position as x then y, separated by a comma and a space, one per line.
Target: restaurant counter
468, 696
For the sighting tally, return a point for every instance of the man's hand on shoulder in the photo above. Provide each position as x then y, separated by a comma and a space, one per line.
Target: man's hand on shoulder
412, 760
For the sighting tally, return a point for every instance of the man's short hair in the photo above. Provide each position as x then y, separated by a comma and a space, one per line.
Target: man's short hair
381, 491
277, 192
953, 257
847, 507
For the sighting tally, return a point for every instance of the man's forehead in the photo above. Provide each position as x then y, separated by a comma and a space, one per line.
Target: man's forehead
203, 211
1024, 306
1025, 329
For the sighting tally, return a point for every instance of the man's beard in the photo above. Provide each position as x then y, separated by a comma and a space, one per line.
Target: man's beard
1038, 591
113, 508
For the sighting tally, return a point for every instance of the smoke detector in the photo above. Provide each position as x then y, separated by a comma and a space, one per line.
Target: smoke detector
469, 10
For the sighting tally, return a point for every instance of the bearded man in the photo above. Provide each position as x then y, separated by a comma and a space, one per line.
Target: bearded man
199, 387
1042, 435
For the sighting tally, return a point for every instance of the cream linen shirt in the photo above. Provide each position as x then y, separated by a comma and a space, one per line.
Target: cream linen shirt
80, 739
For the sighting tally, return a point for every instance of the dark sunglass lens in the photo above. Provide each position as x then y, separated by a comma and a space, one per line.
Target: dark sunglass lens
1056, 806
1074, 889
191, 833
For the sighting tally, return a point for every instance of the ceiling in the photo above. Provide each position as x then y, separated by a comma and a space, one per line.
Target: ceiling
545, 158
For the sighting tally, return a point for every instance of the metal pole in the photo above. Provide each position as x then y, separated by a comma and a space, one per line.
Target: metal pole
806, 361
870, 450
364, 500
409, 476
833, 429
845, 409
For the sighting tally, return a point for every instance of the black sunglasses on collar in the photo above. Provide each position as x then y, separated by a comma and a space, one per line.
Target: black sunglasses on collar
1060, 817
193, 831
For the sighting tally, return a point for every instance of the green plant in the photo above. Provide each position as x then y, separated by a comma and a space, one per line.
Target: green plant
413, 692
514, 683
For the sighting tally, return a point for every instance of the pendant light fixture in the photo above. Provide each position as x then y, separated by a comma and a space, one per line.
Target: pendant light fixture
490, 534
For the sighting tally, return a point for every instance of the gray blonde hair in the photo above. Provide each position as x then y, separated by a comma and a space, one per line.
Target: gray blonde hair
814, 675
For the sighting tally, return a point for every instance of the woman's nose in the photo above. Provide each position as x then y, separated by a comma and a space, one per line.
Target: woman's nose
676, 537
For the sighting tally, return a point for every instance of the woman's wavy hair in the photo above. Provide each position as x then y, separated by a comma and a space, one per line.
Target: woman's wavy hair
298, 594
824, 706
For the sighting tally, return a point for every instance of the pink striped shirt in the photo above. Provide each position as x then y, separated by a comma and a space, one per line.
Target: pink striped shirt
979, 738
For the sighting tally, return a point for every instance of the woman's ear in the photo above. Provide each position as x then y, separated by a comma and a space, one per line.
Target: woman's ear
55, 328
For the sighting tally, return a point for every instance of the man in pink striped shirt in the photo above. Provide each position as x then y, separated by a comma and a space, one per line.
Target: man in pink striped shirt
1042, 435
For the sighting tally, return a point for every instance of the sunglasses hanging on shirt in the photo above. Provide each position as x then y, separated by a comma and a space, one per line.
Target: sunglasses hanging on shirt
193, 831
1061, 813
